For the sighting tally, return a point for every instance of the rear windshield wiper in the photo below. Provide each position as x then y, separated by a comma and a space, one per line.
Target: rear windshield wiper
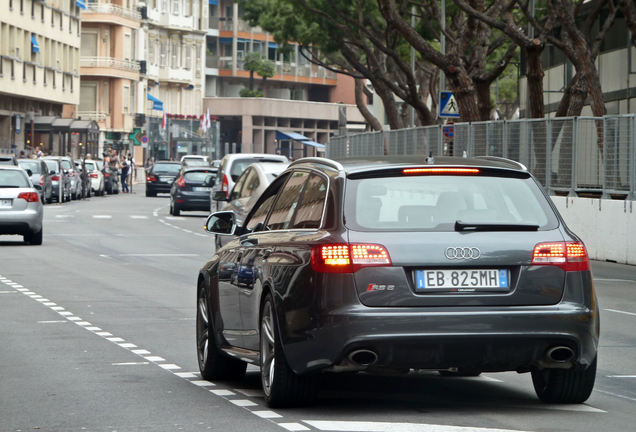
468, 226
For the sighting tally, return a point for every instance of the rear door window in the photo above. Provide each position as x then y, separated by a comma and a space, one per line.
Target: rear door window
436, 202
309, 212
288, 198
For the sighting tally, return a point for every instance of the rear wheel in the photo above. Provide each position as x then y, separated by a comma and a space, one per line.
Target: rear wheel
282, 387
564, 385
174, 209
34, 238
213, 363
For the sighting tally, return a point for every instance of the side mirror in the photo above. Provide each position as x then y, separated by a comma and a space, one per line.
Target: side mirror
220, 196
222, 223
29, 172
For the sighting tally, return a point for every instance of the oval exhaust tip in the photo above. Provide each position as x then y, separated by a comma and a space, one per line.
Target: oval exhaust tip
560, 354
363, 357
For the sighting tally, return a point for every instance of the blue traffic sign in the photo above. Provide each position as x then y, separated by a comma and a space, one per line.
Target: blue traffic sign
448, 105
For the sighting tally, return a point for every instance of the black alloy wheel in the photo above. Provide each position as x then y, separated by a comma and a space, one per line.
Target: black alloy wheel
565, 386
213, 363
282, 387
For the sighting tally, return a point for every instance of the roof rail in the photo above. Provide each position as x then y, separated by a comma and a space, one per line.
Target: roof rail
324, 161
505, 160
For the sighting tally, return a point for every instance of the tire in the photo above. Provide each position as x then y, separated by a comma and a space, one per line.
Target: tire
282, 387
174, 210
565, 386
213, 363
149, 194
34, 238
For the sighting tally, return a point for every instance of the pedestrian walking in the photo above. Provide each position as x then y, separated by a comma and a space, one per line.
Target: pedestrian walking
125, 168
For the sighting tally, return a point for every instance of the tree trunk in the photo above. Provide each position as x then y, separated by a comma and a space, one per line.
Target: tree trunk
482, 89
534, 78
390, 108
364, 109
464, 92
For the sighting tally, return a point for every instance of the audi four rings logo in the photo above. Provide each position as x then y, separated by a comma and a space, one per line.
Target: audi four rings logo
462, 253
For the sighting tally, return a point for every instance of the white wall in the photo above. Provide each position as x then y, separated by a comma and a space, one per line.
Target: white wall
607, 227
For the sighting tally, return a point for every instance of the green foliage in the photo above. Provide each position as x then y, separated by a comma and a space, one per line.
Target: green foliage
252, 62
245, 92
266, 68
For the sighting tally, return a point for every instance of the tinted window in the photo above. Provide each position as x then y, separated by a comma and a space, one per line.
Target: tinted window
13, 179
167, 168
240, 165
259, 215
197, 176
436, 202
288, 200
312, 203
34, 166
236, 191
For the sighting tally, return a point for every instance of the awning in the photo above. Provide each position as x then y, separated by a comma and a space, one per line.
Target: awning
228, 40
80, 4
156, 103
35, 46
272, 45
214, 2
293, 136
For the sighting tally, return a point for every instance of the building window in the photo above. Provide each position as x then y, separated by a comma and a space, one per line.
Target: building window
164, 54
126, 99
88, 45
175, 7
88, 97
175, 55
127, 46
188, 57
151, 51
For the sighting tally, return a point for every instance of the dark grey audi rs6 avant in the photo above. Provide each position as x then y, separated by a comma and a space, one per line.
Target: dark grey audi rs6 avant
456, 265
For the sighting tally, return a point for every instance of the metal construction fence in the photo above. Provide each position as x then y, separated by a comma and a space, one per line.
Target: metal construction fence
593, 156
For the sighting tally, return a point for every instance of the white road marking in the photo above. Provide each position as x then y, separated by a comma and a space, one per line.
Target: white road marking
160, 255
141, 352
267, 414
93, 329
53, 322
243, 402
57, 308
175, 218
128, 345
103, 334
185, 375
73, 318
620, 312
155, 359
621, 376
102, 216
130, 363
63, 216
294, 427
170, 366
138, 217
104, 256
83, 323
203, 383
115, 339
223, 392
65, 313
9, 292
356, 426
575, 407
616, 395
614, 280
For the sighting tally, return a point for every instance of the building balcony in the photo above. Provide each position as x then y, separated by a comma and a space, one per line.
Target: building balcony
104, 11
98, 116
109, 66
177, 75
152, 71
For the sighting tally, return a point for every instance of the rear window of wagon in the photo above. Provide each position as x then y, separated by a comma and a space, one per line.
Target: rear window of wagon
436, 202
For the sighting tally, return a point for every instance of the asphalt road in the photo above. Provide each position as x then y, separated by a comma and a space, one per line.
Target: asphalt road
97, 334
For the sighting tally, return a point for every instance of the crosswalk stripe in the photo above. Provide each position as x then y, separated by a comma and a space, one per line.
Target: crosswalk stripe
102, 217
138, 217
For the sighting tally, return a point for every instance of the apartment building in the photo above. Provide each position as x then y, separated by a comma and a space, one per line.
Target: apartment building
39, 76
173, 49
302, 104
110, 71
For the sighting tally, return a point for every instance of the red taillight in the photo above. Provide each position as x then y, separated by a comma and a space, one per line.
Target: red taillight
106, 175
348, 258
440, 170
225, 185
93, 175
29, 196
55, 178
151, 178
570, 256
181, 182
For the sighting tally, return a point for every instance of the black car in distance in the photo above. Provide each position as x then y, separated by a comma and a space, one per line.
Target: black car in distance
191, 190
457, 265
160, 177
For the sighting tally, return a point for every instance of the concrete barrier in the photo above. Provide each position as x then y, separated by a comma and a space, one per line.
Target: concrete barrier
607, 227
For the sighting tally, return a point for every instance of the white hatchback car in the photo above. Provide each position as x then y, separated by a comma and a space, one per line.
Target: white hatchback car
96, 176
231, 168
20, 206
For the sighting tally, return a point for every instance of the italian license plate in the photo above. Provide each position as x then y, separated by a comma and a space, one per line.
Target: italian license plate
200, 188
5, 203
464, 280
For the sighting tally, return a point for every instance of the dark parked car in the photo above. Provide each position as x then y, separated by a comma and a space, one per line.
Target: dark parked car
60, 180
160, 177
191, 190
457, 265
40, 177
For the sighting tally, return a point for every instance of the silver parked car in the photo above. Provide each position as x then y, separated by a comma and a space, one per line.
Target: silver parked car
248, 188
20, 206
41, 177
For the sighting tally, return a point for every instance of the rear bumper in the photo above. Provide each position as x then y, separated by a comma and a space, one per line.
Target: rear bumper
158, 187
21, 222
186, 200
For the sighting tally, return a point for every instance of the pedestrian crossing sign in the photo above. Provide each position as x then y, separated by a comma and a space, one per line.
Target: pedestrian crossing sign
448, 105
